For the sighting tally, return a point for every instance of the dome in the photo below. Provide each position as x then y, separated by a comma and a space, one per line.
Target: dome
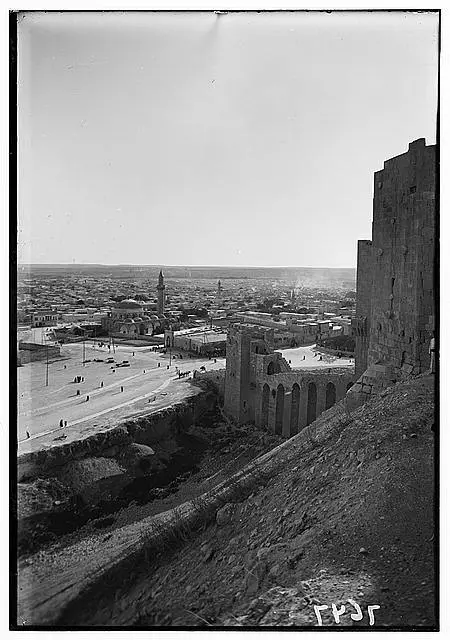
128, 304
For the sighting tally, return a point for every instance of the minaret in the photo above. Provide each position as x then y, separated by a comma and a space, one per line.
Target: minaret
160, 288
219, 289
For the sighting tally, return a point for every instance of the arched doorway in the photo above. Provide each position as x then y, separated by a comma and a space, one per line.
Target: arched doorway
312, 403
279, 410
295, 408
273, 368
330, 396
265, 406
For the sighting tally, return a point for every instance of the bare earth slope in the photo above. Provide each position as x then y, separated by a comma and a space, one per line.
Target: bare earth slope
351, 518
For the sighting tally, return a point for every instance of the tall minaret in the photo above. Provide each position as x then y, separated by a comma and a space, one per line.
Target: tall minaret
160, 288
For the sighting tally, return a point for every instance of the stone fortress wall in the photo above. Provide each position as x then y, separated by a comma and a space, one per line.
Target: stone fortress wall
395, 276
395, 309
261, 387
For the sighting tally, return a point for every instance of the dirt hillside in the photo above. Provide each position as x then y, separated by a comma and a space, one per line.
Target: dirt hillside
351, 520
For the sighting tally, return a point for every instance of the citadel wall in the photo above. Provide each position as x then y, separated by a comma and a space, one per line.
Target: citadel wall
395, 281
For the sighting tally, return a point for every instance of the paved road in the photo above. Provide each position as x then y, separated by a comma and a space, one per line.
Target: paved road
146, 386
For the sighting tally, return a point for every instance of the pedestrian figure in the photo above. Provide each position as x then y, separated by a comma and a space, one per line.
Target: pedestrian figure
78, 392
65, 367
65, 423
101, 383
167, 366
159, 364
133, 352
87, 398
144, 370
121, 389
61, 424
28, 435
320, 358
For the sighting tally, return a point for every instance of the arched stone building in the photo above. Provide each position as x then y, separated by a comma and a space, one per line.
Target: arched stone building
260, 386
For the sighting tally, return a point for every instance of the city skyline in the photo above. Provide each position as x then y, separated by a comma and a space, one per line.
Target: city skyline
201, 139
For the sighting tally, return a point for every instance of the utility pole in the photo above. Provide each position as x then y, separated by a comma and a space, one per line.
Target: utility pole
46, 368
84, 349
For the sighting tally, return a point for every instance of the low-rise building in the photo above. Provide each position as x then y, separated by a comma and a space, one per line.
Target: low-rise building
44, 318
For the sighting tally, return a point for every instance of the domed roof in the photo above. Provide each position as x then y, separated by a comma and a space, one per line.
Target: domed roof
128, 304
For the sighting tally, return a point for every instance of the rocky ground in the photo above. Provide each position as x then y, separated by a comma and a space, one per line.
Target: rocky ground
57, 512
351, 523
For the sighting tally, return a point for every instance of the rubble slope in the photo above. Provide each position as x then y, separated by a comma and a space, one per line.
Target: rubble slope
350, 519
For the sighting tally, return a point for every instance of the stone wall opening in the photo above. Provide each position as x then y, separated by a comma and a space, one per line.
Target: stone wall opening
295, 409
330, 395
273, 368
279, 410
312, 403
265, 406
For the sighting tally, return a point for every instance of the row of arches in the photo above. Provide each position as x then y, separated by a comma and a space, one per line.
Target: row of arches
278, 399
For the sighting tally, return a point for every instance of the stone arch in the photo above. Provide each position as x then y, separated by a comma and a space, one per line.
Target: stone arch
272, 368
295, 409
265, 405
330, 395
312, 403
279, 410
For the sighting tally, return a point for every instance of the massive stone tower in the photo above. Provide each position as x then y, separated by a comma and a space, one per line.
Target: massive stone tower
395, 280
160, 288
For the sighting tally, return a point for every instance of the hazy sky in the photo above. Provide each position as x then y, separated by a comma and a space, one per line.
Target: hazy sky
192, 138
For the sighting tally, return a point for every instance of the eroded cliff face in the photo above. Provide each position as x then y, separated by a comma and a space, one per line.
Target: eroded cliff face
62, 488
113, 443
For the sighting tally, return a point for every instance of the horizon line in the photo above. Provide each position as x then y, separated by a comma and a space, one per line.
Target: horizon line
159, 265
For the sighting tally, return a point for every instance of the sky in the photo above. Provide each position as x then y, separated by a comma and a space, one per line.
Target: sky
202, 139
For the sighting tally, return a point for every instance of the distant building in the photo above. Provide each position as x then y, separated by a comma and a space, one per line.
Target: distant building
161, 296
32, 352
44, 318
128, 319
204, 342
